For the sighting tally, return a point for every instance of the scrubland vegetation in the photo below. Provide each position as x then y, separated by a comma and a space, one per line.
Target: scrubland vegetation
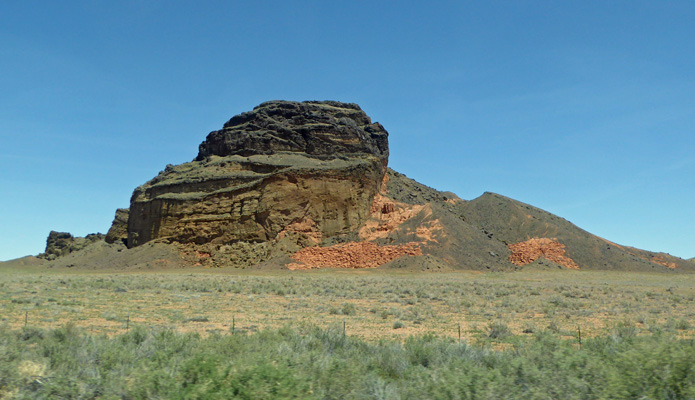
326, 364
331, 334
370, 303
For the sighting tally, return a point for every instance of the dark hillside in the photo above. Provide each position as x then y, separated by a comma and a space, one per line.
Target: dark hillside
462, 244
511, 221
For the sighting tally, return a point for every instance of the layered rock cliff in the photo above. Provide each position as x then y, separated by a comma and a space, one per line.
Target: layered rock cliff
285, 175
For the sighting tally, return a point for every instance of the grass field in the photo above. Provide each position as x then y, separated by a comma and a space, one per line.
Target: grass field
196, 334
373, 305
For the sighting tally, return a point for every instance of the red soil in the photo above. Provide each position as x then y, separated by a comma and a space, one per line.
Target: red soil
529, 251
351, 255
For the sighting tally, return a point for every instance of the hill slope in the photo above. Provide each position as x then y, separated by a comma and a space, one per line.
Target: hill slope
511, 221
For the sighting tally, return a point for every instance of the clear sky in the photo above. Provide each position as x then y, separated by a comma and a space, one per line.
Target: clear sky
583, 108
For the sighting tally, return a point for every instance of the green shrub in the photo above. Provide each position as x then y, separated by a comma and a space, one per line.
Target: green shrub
682, 324
498, 330
345, 309
213, 376
529, 327
625, 329
348, 309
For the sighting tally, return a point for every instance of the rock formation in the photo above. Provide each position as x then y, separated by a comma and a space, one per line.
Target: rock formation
284, 176
306, 185
530, 250
63, 243
119, 227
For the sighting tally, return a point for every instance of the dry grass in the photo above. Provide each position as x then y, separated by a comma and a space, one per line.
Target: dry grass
370, 303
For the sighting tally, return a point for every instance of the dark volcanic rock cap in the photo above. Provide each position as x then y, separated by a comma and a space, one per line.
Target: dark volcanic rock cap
320, 129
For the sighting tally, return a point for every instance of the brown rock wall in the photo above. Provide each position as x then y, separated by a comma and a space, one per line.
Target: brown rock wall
288, 174
335, 205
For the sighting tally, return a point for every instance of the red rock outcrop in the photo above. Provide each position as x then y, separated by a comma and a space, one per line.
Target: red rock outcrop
385, 217
352, 255
529, 251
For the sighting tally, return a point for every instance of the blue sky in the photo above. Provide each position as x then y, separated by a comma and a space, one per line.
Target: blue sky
583, 108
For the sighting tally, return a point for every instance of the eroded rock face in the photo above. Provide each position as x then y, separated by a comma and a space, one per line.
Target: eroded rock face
59, 244
119, 227
290, 173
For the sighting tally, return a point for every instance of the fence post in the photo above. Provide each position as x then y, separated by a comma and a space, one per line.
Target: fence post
127, 323
233, 323
459, 333
26, 318
579, 335
343, 328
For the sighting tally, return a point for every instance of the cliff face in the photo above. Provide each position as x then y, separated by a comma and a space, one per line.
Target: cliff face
287, 173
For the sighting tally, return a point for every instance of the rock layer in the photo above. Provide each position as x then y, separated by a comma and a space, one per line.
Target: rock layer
289, 173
